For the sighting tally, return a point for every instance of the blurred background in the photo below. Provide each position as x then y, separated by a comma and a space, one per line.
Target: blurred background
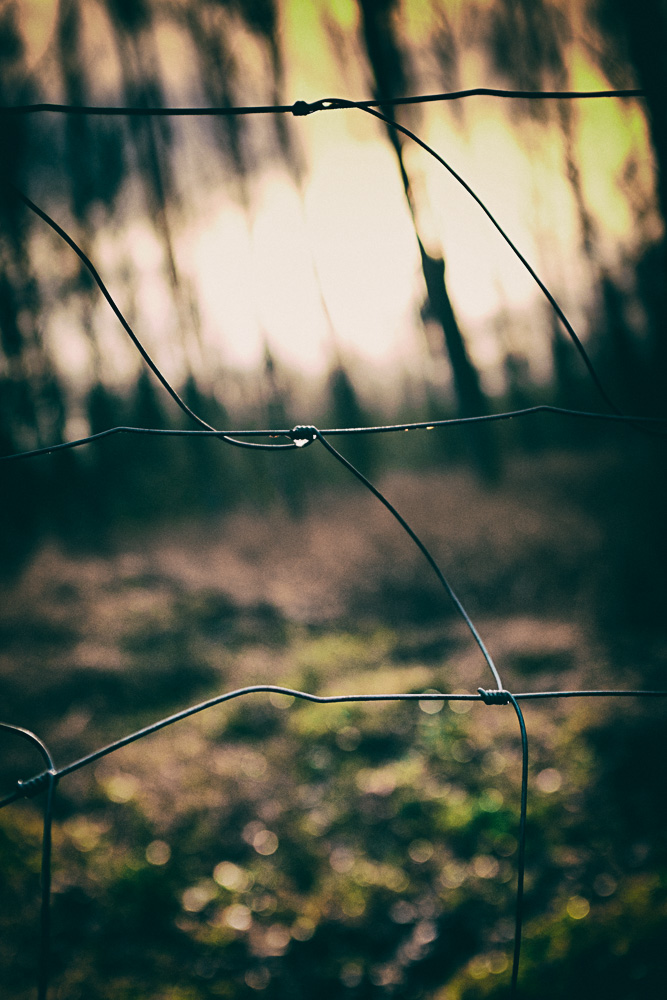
325, 270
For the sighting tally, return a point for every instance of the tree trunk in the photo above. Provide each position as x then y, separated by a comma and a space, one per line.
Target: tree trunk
389, 80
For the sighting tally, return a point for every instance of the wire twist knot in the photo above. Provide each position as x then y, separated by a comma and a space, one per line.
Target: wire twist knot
33, 786
492, 697
302, 108
304, 434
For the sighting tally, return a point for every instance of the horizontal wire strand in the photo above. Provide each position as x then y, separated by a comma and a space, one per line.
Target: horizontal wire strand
324, 104
336, 699
301, 108
52, 776
422, 425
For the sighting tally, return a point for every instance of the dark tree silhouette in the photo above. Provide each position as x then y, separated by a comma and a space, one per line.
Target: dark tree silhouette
390, 79
84, 169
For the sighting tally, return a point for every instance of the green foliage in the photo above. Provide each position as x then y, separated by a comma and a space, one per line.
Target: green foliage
347, 850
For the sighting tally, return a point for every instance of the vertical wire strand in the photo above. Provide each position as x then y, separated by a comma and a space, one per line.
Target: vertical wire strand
45, 910
52, 777
45, 906
521, 860
49, 779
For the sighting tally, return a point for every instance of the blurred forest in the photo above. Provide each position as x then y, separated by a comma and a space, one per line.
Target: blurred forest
282, 848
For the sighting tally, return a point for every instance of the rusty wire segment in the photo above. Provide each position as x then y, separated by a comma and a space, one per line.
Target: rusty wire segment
298, 437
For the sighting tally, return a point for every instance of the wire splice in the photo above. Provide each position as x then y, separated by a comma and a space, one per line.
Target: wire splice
494, 697
302, 108
31, 787
303, 435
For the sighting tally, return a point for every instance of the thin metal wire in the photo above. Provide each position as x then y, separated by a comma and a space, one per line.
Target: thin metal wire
128, 329
300, 108
501, 696
45, 905
330, 104
423, 425
336, 699
35, 741
592, 694
300, 436
420, 545
543, 288
338, 103
303, 109
521, 857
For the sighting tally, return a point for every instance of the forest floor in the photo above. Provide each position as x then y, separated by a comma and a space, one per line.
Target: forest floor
339, 600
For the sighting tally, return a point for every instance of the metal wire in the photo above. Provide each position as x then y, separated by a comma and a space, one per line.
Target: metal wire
298, 437
420, 545
45, 905
521, 859
633, 422
48, 779
128, 329
543, 288
337, 104
26, 790
303, 108
300, 108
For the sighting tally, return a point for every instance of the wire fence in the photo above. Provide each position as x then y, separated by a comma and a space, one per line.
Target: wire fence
303, 436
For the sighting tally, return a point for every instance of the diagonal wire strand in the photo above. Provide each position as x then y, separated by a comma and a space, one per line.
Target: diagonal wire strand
545, 291
128, 329
422, 548
220, 699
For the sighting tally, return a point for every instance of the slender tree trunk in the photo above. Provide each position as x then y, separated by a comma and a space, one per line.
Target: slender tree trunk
389, 80
642, 27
